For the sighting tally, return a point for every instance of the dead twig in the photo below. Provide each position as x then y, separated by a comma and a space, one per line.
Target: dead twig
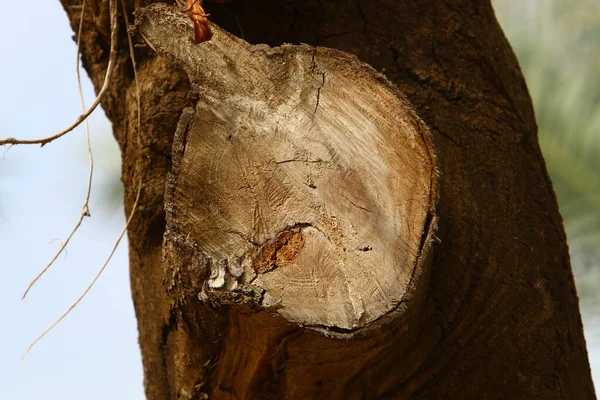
107, 78
93, 281
85, 211
114, 13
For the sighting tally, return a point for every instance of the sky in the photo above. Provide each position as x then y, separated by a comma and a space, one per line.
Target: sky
93, 353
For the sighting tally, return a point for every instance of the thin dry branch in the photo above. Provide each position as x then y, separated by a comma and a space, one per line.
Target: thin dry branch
85, 211
135, 76
114, 14
95, 278
107, 78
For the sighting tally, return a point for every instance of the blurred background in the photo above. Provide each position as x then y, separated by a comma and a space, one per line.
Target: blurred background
93, 353
558, 46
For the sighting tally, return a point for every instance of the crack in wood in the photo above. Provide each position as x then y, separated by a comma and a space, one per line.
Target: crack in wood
318, 95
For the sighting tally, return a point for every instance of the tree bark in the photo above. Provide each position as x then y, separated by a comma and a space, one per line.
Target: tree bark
495, 313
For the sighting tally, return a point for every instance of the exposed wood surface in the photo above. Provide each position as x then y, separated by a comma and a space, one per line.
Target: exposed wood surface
305, 175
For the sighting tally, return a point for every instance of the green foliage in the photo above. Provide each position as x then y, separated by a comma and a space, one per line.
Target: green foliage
558, 46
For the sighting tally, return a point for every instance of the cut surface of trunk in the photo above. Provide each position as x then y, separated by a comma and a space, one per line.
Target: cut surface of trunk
304, 176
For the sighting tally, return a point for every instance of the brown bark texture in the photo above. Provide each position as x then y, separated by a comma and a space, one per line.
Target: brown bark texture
495, 314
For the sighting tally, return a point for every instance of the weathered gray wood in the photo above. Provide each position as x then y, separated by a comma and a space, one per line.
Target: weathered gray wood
304, 176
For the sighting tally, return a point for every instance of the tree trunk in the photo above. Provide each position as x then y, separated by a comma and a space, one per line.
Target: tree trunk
301, 256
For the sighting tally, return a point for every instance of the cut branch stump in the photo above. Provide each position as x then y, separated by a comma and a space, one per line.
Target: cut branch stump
301, 212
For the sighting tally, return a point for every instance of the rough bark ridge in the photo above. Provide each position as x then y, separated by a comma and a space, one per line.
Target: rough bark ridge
501, 318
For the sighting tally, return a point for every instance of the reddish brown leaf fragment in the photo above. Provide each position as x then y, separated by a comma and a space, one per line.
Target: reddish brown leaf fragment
194, 10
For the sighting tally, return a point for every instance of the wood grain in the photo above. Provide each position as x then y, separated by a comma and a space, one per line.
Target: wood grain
304, 144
